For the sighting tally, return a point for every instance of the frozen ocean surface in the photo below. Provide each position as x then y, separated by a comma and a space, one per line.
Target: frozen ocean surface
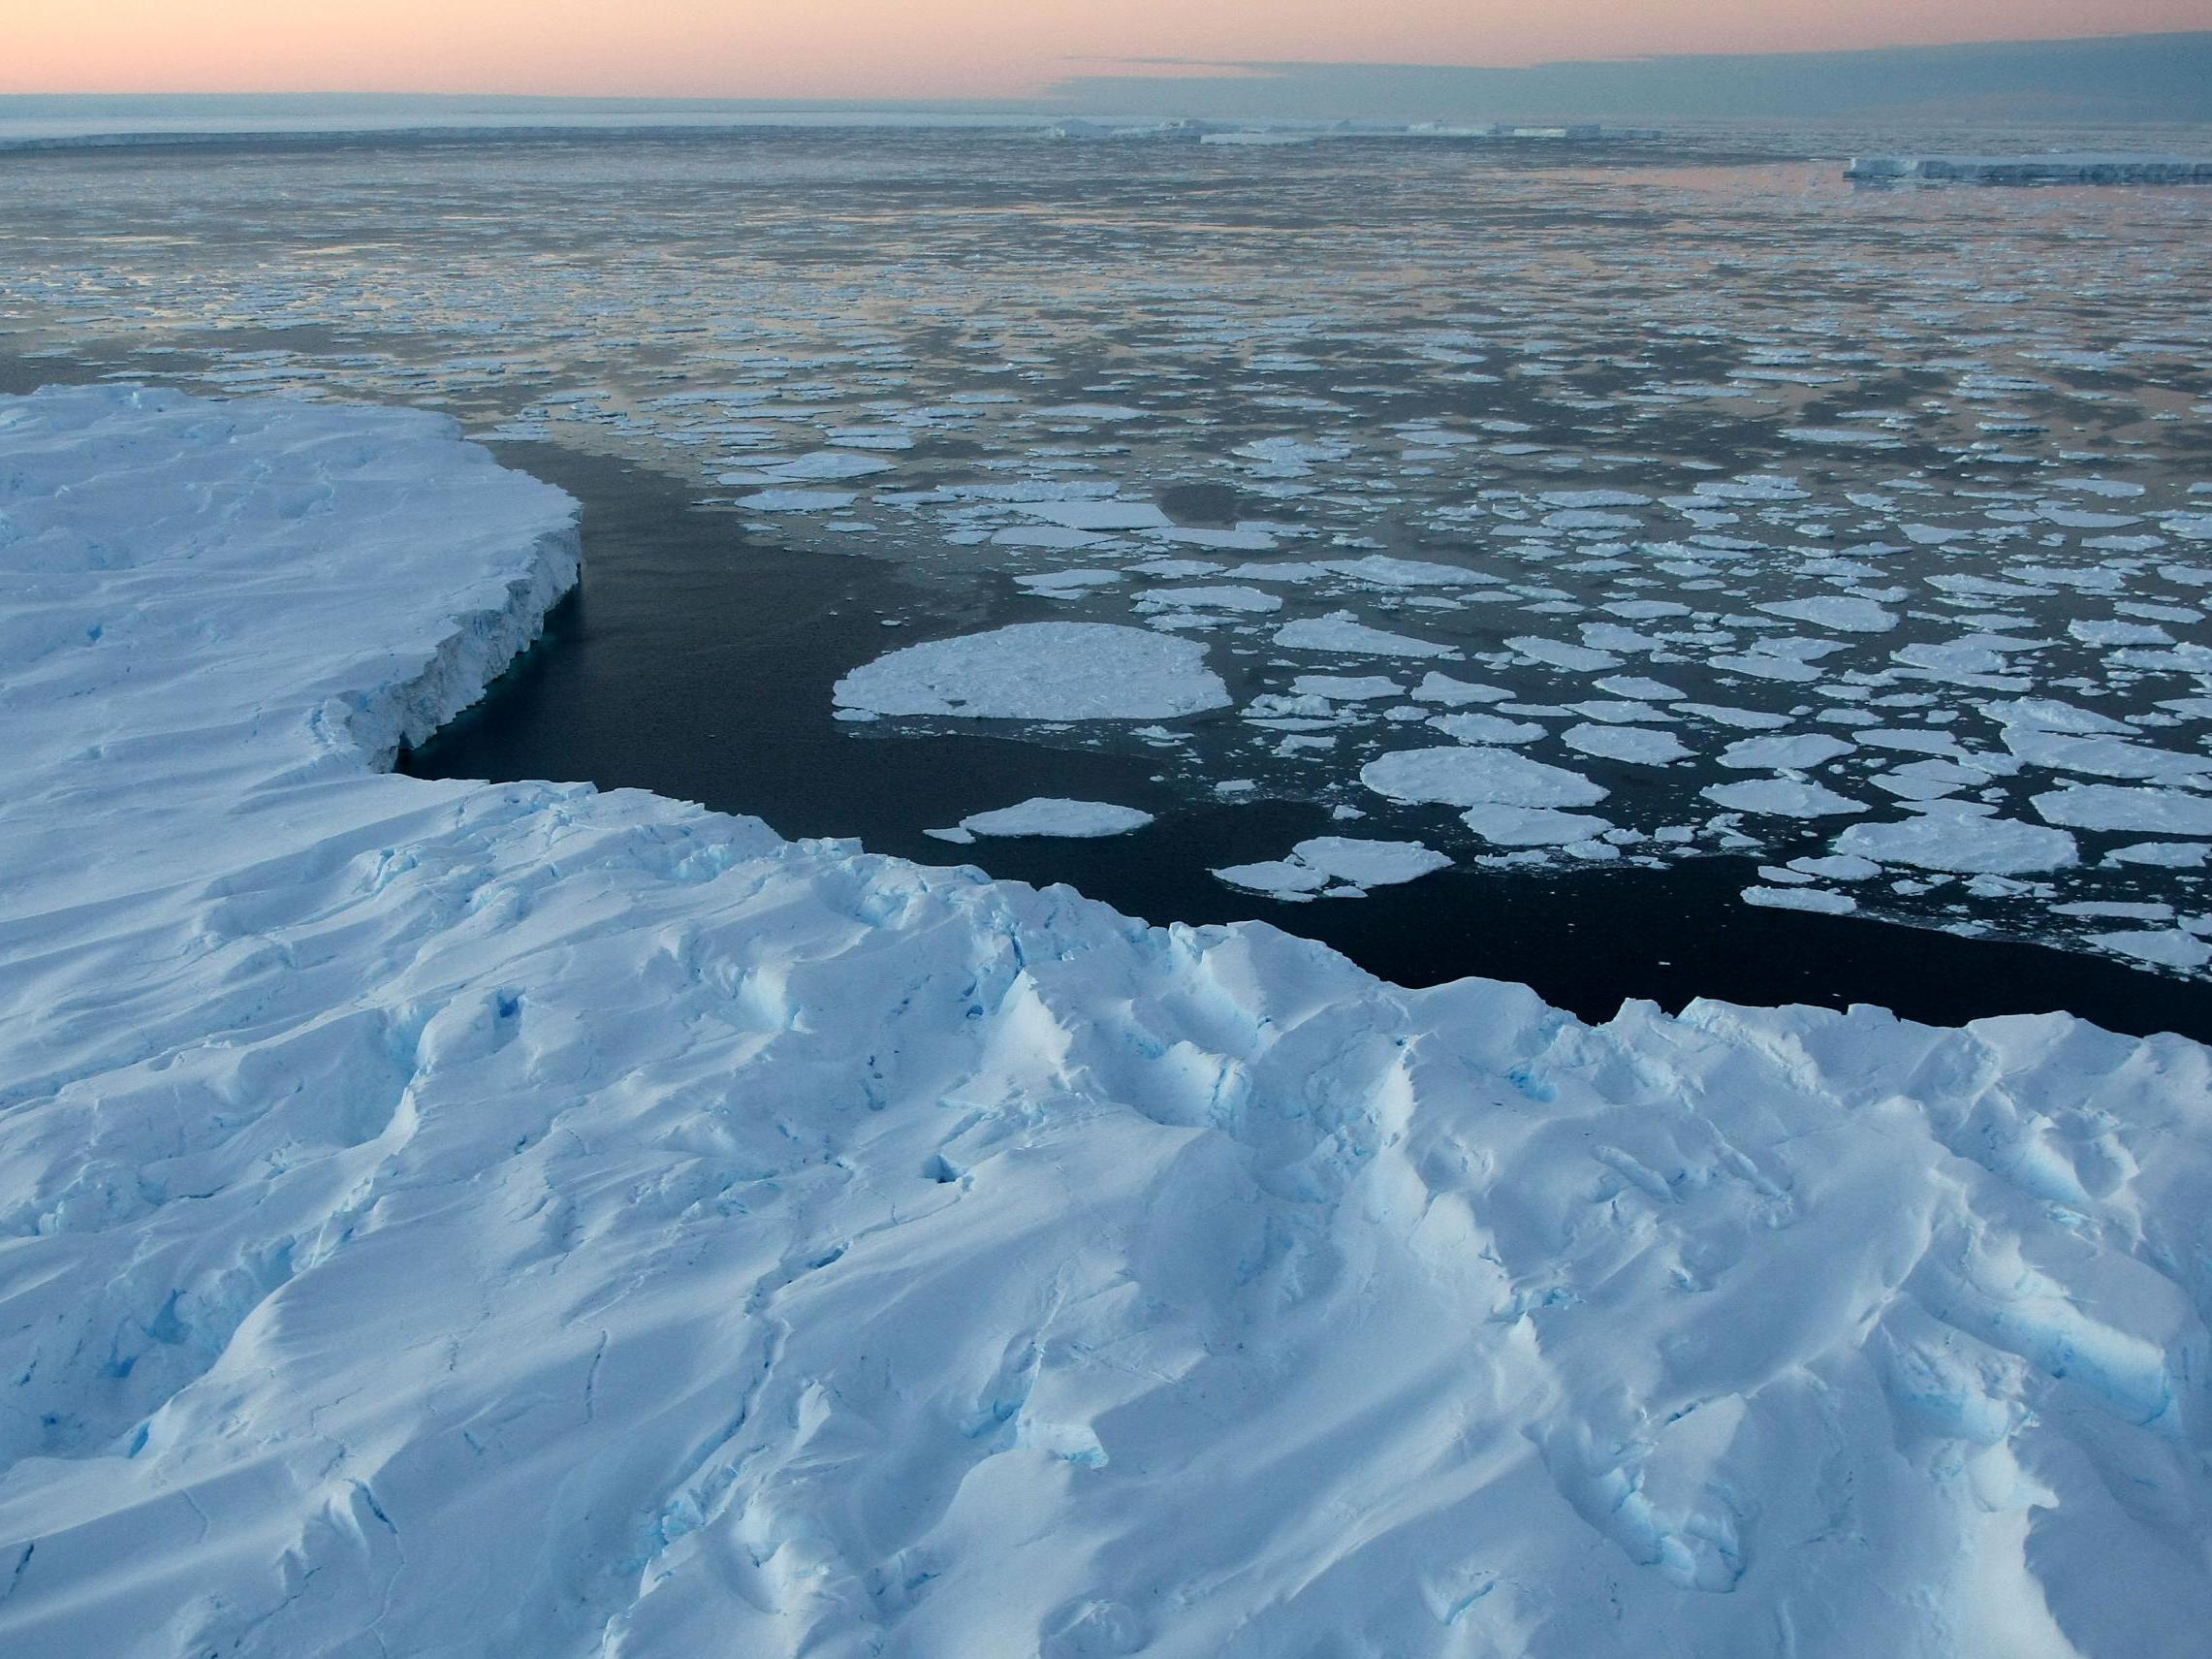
496, 1218
1608, 456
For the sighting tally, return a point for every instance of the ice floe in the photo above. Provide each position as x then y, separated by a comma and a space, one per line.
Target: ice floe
1054, 816
1467, 776
1040, 671
1969, 842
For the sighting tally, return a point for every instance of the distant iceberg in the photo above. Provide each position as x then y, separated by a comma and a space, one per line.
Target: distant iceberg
2075, 169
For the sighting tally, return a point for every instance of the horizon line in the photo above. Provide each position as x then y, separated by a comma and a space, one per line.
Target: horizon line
1235, 68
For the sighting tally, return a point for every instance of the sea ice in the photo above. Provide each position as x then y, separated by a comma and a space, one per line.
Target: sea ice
1558, 654
1342, 633
1783, 754
1250, 601
1782, 797
1068, 584
1278, 877
797, 500
2115, 806
1379, 570
1347, 688
1052, 815
2165, 947
1041, 671
1966, 843
1370, 863
1836, 611
2163, 854
1097, 515
1818, 900
1639, 745
1468, 777
1479, 727
1531, 826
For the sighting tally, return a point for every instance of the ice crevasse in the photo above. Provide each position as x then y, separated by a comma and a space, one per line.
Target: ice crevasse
457, 1218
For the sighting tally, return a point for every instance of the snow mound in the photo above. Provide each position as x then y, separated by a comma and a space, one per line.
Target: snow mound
1967, 843
467, 1219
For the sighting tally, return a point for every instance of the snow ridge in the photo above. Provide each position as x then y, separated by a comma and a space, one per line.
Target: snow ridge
498, 1220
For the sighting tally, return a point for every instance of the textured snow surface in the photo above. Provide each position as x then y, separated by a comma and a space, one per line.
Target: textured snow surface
514, 1219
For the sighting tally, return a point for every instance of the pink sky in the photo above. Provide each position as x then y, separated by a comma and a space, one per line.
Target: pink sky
925, 48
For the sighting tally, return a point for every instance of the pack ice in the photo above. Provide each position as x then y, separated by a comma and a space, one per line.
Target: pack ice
449, 1219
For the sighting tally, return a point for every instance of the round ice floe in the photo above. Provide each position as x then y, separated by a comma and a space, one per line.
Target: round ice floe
1041, 671
1836, 611
1783, 753
1345, 689
1453, 694
1051, 536
1638, 743
2112, 489
1782, 797
1278, 877
1341, 632
797, 500
1066, 584
1583, 499
2111, 806
2105, 756
2163, 854
1531, 826
1370, 863
1910, 739
1379, 570
1225, 597
1477, 776
1843, 438
1966, 843
1756, 486
1637, 689
1837, 868
1928, 779
1726, 715
1289, 457
1046, 815
2165, 947
1473, 727
825, 466
1109, 515
1588, 519
1815, 899
1558, 654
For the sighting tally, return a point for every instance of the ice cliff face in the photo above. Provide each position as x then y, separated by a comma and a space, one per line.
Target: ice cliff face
471, 1220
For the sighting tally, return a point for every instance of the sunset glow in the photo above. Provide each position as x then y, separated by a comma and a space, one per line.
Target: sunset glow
921, 48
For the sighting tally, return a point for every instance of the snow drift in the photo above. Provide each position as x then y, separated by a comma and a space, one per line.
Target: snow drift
486, 1220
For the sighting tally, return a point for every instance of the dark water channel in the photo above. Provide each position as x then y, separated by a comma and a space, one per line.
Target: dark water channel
698, 662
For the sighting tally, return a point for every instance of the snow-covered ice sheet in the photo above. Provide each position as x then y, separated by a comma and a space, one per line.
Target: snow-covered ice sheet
485, 1220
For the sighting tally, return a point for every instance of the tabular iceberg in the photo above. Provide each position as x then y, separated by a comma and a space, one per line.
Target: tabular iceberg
483, 1220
